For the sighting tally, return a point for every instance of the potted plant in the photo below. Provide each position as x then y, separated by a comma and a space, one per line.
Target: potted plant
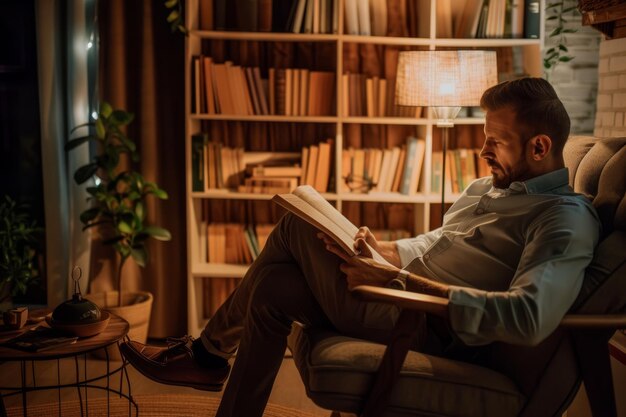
18, 240
118, 210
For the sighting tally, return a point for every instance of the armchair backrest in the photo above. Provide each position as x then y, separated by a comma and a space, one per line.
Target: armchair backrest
548, 374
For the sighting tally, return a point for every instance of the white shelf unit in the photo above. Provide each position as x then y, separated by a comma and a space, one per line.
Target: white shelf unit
198, 271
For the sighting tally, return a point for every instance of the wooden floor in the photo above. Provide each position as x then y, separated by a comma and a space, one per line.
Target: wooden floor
288, 390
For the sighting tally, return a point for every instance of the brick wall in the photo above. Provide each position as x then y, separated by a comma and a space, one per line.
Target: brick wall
611, 109
576, 82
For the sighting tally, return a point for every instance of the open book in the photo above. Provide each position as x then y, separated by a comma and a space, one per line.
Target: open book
306, 203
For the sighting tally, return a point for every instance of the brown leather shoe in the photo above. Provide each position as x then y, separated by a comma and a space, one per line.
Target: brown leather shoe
174, 364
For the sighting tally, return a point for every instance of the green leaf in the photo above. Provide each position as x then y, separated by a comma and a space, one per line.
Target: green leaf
554, 5
100, 130
140, 256
565, 58
162, 194
173, 16
89, 214
139, 212
556, 31
551, 18
105, 109
563, 48
85, 172
121, 118
549, 51
77, 142
124, 228
171, 3
569, 9
569, 31
158, 233
182, 29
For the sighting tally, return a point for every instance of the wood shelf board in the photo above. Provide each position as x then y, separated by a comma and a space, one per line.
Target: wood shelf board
214, 270
234, 195
385, 120
362, 39
265, 118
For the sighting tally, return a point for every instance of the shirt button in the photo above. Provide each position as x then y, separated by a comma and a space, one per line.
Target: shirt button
426, 257
480, 211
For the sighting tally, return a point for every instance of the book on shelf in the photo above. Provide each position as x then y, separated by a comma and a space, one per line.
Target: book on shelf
198, 143
246, 12
300, 6
39, 339
351, 17
413, 165
324, 164
206, 14
363, 10
444, 18
516, 18
306, 203
234, 243
308, 17
265, 12
531, 19
378, 14
468, 21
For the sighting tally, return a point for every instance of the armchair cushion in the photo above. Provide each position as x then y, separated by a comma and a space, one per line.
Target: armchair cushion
339, 371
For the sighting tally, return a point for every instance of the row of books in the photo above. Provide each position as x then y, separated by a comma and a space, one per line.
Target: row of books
462, 167
366, 17
372, 97
313, 16
478, 19
215, 167
232, 89
499, 19
232, 243
384, 170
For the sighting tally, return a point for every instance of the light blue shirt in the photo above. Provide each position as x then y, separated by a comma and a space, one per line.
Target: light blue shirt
514, 258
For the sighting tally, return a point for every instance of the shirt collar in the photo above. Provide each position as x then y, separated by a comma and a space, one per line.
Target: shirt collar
539, 185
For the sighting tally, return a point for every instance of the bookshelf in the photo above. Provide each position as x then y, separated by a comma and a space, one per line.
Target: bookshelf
416, 212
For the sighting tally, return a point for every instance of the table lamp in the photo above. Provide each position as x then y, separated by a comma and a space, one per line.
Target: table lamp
445, 81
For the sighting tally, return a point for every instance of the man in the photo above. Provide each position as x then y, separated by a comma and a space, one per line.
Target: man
510, 258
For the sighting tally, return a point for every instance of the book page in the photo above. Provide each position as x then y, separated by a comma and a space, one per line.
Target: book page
310, 206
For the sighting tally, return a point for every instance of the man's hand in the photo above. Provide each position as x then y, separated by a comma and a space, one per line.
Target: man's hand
387, 250
360, 269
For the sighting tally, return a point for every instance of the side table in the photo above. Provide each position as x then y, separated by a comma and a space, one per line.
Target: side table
111, 336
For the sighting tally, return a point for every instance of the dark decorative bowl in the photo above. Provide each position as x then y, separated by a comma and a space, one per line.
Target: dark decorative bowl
81, 329
76, 311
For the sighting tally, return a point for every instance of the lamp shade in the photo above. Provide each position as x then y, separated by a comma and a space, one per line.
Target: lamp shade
444, 78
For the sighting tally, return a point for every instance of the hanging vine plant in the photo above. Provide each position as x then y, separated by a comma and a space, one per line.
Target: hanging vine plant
559, 52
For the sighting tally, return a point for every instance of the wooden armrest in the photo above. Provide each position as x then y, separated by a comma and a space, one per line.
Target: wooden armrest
404, 299
594, 321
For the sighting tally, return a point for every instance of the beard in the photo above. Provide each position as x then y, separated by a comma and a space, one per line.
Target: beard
502, 178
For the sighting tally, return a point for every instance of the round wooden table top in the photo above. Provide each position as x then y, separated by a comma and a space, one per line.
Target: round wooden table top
116, 330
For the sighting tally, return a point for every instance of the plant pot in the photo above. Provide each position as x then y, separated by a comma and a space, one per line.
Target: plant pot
135, 310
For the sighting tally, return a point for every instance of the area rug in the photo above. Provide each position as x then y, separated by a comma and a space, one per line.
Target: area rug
170, 405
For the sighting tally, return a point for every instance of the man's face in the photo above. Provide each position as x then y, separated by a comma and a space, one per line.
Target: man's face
504, 149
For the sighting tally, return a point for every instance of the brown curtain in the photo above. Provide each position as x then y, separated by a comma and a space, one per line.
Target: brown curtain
141, 70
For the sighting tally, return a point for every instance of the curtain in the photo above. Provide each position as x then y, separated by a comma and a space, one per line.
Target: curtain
141, 70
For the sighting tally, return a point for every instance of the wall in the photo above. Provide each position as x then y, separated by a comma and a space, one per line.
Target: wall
576, 82
611, 110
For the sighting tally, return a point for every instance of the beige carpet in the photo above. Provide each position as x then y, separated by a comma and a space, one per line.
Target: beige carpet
170, 405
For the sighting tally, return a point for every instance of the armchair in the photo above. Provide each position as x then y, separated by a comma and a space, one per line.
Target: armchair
359, 377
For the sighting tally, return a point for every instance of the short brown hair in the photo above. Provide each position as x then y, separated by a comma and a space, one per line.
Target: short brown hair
537, 108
